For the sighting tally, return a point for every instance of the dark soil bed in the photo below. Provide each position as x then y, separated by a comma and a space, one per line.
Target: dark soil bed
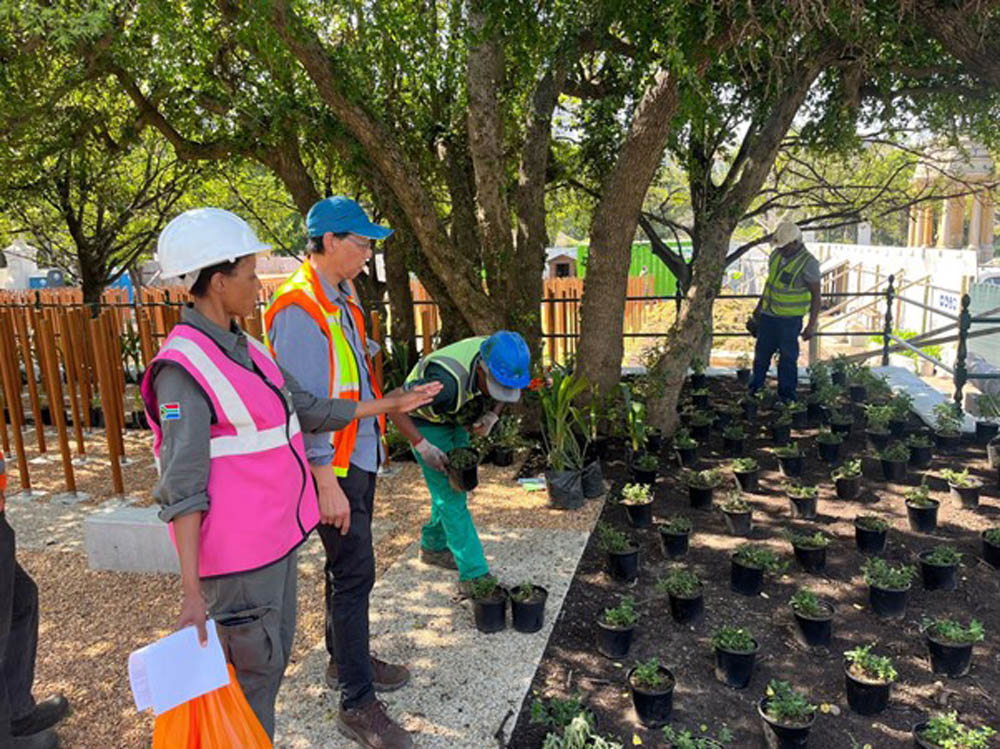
571, 665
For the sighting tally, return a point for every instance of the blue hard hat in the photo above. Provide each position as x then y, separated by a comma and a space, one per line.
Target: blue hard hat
508, 362
340, 214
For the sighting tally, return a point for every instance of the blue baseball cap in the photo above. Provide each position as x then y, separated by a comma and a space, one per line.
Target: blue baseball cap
340, 214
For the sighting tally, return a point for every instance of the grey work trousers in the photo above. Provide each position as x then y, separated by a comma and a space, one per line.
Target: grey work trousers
255, 613
18, 634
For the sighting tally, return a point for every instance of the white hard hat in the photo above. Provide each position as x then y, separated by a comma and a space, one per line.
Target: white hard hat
203, 237
786, 233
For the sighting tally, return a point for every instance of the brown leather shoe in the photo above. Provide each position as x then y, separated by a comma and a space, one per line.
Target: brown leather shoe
372, 727
386, 677
443, 558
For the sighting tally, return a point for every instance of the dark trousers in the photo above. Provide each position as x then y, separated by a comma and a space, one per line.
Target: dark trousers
18, 634
350, 576
777, 335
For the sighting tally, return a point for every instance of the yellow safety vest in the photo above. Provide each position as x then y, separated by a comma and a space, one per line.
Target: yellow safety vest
459, 360
781, 297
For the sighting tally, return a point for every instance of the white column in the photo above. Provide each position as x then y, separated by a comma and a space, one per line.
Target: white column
986, 228
975, 224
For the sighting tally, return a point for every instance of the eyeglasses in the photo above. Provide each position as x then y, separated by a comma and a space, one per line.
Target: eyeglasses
359, 241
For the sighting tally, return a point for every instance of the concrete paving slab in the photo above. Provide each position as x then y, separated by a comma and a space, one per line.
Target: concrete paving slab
129, 539
464, 683
46, 525
925, 397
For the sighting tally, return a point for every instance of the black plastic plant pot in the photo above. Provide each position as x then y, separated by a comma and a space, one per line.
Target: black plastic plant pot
700, 497
800, 419
502, 456
654, 441
967, 495
887, 603
869, 541
897, 428
653, 707
848, 487
947, 442
858, 393
700, 400
991, 551
686, 610
747, 581
918, 739
738, 523
920, 456
922, 519
829, 452
698, 381
865, 697
815, 631
811, 560
701, 432
592, 480
733, 446
624, 565
644, 477
791, 467
937, 576
985, 431
824, 414
722, 420
748, 480
780, 735
878, 440
814, 413
491, 613
565, 489
949, 658
803, 507
687, 456
743, 375
893, 470
781, 433
529, 616
640, 516
993, 453
674, 545
841, 427
613, 642
735, 669
749, 410
839, 378
96, 418
464, 479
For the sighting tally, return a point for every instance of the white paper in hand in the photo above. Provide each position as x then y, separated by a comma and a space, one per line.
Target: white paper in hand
171, 671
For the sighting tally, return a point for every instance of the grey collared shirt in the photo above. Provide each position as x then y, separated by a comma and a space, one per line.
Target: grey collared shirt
184, 452
301, 347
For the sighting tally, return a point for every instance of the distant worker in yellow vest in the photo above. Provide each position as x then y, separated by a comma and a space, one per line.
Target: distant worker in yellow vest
478, 376
792, 290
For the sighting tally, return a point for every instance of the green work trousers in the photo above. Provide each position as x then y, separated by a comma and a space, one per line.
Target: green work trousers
451, 525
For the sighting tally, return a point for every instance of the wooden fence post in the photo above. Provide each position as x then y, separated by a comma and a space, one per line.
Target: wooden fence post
36, 409
69, 352
104, 384
57, 407
11, 386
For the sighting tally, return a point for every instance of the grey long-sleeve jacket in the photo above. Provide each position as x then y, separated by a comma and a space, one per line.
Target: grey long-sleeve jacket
184, 452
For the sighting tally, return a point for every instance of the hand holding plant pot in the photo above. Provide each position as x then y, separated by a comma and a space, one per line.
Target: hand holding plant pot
463, 469
868, 678
950, 644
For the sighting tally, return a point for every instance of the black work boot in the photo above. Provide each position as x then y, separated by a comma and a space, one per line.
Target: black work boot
46, 714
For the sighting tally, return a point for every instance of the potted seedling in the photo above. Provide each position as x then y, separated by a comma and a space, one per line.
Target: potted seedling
748, 565
847, 479
781, 428
138, 415
899, 406
947, 425
799, 414
623, 553
921, 449
564, 454
810, 550
947, 732
991, 546
654, 440
637, 499
559, 713
789, 459
697, 379
877, 425
700, 425
814, 618
988, 423
506, 439
750, 406
828, 445
616, 628
869, 534
743, 369
735, 653
733, 439
841, 421
96, 413
527, 607
644, 468
839, 369
921, 509
689, 739
938, 566
463, 469
950, 644
802, 499
686, 448
888, 586
652, 687
700, 398
489, 605
964, 488
787, 716
858, 392
894, 458
701, 485
684, 590
674, 536
737, 512
868, 678
747, 472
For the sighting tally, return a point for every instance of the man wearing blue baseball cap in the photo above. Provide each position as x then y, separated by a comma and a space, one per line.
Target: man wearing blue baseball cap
473, 372
315, 326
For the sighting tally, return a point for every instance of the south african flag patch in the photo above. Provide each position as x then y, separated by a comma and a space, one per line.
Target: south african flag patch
170, 411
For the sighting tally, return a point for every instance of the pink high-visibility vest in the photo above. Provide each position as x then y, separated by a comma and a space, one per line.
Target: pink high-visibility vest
262, 503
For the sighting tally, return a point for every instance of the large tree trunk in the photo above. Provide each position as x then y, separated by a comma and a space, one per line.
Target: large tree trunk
397, 283
285, 161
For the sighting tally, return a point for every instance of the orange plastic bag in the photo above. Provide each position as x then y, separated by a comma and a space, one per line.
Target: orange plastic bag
221, 719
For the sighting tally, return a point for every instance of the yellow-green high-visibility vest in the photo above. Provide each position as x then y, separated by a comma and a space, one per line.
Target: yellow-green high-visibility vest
781, 297
459, 359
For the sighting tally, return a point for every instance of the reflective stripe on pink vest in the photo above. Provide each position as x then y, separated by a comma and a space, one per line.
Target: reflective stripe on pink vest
262, 503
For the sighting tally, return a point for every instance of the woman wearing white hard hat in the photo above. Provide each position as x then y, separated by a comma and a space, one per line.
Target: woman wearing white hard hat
234, 483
